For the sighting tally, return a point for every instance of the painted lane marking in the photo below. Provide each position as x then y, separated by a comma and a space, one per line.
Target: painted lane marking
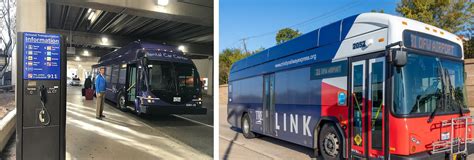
194, 121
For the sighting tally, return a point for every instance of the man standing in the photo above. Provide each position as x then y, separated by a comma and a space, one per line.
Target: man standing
100, 92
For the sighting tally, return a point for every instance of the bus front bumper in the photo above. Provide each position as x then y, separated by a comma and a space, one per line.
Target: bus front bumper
427, 155
173, 110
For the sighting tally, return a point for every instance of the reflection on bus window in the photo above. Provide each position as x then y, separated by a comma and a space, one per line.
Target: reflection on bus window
160, 77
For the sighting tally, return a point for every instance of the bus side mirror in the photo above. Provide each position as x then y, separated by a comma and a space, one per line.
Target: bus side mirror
400, 58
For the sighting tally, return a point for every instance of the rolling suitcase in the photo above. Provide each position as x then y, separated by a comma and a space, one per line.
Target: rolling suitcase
89, 94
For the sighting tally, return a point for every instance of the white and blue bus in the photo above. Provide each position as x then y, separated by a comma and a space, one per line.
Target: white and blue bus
152, 78
368, 86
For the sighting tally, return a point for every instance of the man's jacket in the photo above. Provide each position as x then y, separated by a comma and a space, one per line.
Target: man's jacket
99, 84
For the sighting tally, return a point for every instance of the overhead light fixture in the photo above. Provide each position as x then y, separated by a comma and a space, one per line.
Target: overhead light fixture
78, 58
86, 53
163, 2
90, 16
181, 48
104, 40
89, 10
80, 66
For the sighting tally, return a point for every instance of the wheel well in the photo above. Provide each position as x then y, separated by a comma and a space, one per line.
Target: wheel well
325, 121
318, 130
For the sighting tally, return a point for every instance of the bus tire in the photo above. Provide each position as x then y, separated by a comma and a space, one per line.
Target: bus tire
330, 142
246, 125
122, 102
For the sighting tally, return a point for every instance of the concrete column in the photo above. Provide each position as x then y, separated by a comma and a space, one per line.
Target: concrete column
210, 70
204, 67
30, 17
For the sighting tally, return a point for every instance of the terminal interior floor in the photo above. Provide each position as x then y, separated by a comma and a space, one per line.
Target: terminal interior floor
123, 135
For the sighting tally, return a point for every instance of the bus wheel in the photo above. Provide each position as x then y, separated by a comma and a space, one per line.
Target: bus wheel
122, 102
330, 143
246, 127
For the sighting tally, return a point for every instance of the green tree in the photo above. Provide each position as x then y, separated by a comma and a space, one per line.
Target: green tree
228, 57
286, 34
449, 15
381, 11
469, 48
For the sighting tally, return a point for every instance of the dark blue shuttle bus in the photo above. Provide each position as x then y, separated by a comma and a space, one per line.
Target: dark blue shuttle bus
150, 78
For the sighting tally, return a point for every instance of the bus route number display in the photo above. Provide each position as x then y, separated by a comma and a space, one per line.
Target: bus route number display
41, 56
431, 43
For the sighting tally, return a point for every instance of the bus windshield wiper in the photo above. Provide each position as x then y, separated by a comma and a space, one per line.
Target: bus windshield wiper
443, 95
451, 91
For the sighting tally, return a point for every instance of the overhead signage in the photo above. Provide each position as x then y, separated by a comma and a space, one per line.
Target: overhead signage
41, 56
431, 43
327, 70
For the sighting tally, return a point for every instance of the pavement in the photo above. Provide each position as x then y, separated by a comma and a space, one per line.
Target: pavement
123, 135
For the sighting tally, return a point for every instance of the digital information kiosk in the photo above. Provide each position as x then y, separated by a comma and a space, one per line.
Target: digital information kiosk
41, 97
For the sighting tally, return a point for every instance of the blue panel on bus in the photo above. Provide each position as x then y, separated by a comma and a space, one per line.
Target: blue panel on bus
41, 56
330, 33
320, 54
346, 25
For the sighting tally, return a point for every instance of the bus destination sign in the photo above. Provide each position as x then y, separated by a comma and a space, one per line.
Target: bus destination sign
431, 43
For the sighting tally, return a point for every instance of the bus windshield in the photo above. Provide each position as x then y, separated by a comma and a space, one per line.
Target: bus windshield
428, 82
172, 77
160, 76
187, 78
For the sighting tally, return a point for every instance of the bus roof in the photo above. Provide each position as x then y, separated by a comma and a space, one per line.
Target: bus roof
327, 41
138, 49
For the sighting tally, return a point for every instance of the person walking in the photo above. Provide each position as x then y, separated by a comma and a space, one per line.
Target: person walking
100, 92
88, 82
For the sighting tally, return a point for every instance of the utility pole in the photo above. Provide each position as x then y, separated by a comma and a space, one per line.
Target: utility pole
245, 45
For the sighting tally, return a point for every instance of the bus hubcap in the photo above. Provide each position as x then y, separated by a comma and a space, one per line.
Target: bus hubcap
122, 101
246, 126
331, 144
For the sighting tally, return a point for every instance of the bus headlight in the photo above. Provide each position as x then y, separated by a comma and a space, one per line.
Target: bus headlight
150, 100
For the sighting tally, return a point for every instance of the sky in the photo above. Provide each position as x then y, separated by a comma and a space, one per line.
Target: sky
258, 21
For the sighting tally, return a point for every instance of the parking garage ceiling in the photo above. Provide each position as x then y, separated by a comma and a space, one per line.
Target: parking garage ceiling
88, 25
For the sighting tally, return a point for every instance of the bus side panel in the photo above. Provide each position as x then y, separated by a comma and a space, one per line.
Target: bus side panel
245, 95
298, 105
296, 123
334, 100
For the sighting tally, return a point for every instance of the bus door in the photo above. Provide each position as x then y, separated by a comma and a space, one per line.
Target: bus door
269, 104
367, 102
132, 82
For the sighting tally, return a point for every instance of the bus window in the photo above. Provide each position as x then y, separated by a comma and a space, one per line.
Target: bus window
115, 74
122, 75
358, 101
108, 71
160, 76
376, 87
186, 76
